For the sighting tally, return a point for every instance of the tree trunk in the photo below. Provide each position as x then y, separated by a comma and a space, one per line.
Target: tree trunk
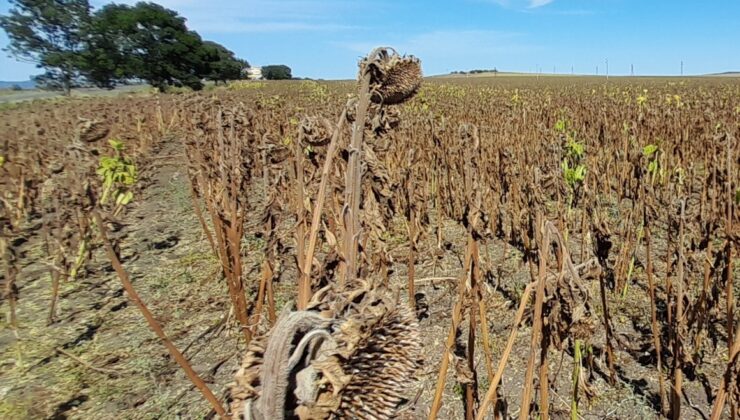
67, 82
161, 85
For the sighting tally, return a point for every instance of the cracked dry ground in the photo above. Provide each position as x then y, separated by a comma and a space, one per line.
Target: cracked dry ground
100, 360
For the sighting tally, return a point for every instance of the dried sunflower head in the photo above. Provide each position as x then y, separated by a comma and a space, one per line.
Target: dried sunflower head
315, 131
353, 354
394, 79
91, 130
371, 370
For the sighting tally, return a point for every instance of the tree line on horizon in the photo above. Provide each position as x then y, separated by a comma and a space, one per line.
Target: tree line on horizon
117, 44
476, 71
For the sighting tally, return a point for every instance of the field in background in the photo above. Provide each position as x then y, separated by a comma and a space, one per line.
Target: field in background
11, 96
8, 96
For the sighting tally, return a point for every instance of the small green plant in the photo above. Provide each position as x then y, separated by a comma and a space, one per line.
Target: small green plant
642, 99
315, 90
575, 149
573, 167
675, 99
515, 99
574, 171
561, 126
573, 175
270, 102
118, 174
653, 154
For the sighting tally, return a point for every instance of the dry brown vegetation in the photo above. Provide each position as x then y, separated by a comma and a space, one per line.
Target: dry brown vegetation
469, 248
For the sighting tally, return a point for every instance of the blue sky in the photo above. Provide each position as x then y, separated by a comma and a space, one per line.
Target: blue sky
325, 38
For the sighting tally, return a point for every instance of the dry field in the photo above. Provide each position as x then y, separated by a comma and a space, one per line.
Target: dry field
486, 247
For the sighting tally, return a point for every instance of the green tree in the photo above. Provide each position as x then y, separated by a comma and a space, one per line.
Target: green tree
276, 72
222, 63
147, 42
105, 62
49, 33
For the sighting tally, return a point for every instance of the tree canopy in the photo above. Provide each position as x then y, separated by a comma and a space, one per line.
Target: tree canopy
223, 63
115, 44
148, 42
50, 33
276, 72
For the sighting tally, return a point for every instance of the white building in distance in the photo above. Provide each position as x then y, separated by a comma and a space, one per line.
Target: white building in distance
254, 73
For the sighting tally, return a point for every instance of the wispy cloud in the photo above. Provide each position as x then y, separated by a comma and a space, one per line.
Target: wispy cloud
521, 4
253, 16
537, 7
533, 4
556, 12
236, 26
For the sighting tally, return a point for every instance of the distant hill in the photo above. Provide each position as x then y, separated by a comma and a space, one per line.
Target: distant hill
725, 74
27, 84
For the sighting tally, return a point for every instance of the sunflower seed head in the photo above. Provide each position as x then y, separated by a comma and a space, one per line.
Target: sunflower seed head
394, 79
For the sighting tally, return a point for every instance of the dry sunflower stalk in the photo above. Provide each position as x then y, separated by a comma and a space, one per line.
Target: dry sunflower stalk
353, 351
385, 78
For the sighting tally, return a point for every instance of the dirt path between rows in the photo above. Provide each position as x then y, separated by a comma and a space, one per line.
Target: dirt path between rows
123, 370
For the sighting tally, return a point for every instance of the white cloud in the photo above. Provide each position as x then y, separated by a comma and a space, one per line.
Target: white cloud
521, 4
533, 4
